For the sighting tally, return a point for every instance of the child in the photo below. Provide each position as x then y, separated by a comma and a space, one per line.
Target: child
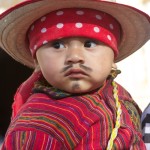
71, 101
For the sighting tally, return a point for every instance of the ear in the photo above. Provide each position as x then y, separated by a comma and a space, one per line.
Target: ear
114, 66
37, 67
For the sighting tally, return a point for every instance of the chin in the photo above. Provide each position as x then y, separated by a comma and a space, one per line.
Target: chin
78, 90
78, 87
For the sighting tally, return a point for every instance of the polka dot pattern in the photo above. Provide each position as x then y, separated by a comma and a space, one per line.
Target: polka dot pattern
43, 19
96, 29
98, 17
35, 46
78, 25
109, 37
59, 13
43, 30
79, 12
60, 25
75, 22
111, 26
45, 42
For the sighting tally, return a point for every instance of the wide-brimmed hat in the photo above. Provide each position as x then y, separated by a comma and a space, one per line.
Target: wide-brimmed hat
15, 22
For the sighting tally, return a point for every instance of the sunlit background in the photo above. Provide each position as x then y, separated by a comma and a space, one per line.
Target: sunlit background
135, 69
135, 76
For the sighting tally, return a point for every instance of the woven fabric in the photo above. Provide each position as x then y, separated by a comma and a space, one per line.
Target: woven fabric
77, 122
75, 22
24, 91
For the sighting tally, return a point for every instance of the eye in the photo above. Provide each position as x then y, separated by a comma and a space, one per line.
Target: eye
90, 44
58, 44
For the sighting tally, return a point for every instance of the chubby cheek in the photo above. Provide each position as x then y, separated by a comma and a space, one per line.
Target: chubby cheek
51, 74
101, 70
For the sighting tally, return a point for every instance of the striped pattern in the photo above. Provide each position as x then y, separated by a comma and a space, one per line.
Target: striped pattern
146, 126
79, 122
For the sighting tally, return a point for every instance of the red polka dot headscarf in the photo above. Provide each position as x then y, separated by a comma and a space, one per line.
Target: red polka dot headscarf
75, 22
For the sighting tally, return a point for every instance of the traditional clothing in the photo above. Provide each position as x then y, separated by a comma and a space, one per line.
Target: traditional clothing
53, 120
50, 119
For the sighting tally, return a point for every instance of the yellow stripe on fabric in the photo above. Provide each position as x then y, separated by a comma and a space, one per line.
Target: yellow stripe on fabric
117, 124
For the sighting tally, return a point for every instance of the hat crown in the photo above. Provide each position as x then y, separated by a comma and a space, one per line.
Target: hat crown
13, 30
110, 0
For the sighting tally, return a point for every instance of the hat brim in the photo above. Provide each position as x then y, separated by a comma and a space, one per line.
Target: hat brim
15, 22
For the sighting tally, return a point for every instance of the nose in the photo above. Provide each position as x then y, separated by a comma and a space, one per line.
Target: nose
75, 55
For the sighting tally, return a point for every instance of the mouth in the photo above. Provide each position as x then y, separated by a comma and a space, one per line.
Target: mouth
76, 73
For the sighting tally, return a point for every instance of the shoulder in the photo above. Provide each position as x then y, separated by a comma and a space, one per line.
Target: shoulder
30, 139
131, 106
31, 114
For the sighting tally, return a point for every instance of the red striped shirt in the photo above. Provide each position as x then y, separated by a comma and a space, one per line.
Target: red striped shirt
78, 122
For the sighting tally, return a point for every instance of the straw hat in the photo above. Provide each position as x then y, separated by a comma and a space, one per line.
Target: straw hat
15, 22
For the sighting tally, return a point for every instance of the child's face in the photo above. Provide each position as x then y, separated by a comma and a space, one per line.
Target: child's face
75, 65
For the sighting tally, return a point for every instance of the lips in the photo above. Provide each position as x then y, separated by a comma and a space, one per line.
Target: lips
76, 73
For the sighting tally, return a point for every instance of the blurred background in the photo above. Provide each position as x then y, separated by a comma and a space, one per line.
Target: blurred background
135, 76
12, 74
